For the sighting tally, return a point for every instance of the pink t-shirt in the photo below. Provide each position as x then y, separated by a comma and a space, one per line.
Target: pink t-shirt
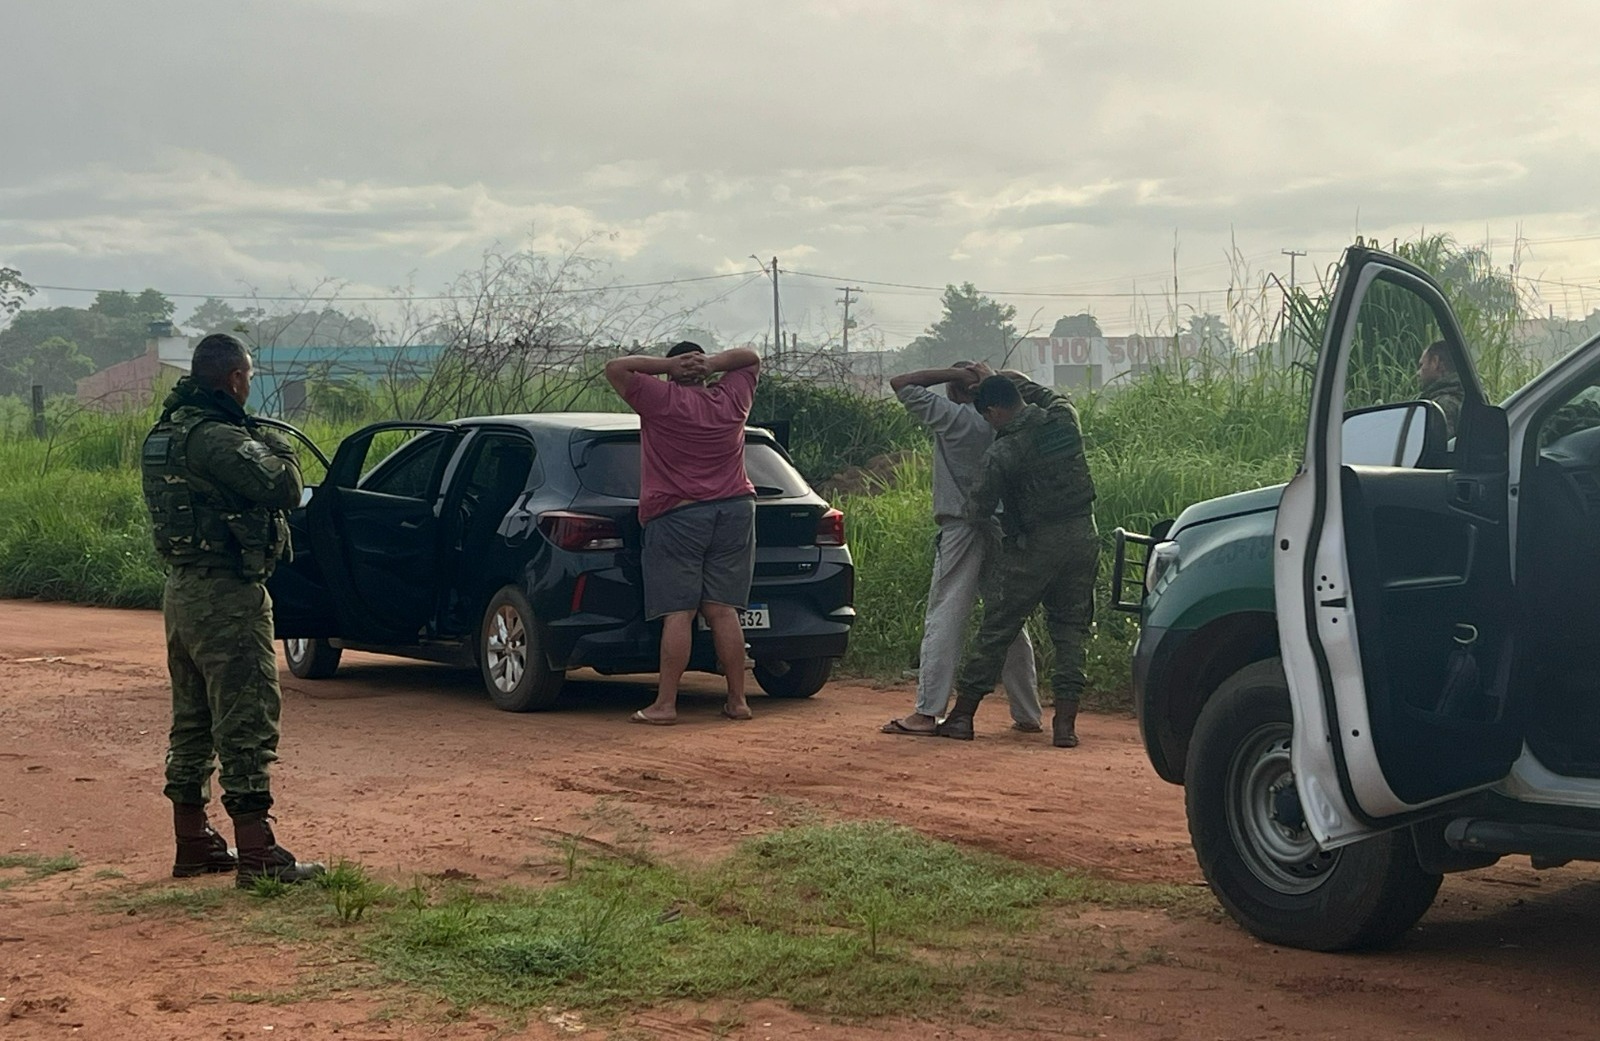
691, 442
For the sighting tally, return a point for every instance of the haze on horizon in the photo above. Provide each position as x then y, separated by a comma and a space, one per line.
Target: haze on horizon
1026, 146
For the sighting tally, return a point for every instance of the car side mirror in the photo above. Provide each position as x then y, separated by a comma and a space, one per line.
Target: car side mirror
1406, 434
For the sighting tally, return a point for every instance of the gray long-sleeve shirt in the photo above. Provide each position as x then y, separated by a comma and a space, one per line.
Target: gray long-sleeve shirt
960, 437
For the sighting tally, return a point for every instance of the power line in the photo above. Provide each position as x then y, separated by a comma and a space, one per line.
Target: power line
1004, 292
381, 299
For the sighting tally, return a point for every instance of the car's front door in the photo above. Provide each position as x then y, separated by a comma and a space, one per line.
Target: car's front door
1393, 583
374, 524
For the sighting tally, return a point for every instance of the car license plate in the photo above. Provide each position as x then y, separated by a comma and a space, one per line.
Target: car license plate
753, 617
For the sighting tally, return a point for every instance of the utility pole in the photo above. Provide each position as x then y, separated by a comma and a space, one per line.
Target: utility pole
777, 333
1291, 254
847, 290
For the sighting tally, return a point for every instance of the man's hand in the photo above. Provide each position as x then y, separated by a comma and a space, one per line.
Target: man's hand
983, 370
692, 366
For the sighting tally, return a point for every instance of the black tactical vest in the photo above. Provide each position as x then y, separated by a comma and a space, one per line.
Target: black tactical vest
196, 522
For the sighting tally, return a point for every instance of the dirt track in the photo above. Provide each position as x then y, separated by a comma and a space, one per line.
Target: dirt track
407, 768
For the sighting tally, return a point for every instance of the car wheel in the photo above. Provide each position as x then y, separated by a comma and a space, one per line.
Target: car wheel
1255, 849
511, 655
311, 659
800, 678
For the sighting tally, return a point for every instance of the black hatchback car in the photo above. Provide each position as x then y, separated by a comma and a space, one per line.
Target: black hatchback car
512, 543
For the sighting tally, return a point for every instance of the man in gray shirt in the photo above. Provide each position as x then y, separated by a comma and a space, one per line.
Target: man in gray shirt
960, 576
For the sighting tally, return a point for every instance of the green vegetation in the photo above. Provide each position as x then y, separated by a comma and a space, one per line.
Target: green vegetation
853, 920
72, 526
29, 867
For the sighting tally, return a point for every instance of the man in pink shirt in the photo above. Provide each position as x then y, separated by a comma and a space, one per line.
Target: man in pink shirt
697, 507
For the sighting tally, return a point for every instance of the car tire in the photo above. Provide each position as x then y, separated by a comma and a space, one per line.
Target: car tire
1268, 872
800, 678
511, 655
311, 659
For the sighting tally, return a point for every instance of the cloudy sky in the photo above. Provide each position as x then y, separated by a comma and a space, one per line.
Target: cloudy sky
1059, 151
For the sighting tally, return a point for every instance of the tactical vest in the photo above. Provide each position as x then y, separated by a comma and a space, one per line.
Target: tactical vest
196, 522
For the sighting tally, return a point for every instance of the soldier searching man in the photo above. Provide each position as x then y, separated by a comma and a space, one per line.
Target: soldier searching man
1051, 553
217, 486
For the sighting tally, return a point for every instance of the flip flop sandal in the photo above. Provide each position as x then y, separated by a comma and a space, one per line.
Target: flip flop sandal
640, 717
737, 716
894, 726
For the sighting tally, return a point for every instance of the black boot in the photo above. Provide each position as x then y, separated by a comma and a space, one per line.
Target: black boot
260, 856
1063, 732
201, 851
958, 724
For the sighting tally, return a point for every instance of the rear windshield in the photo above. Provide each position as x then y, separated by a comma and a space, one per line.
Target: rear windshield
612, 468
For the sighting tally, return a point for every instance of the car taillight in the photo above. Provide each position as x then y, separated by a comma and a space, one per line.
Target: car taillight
830, 529
580, 531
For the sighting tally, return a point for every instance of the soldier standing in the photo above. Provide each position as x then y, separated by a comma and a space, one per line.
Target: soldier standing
217, 487
1438, 381
1036, 467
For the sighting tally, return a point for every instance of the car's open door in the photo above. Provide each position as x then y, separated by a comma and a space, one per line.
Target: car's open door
374, 525
1393, 582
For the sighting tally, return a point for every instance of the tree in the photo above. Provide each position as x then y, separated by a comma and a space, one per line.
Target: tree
1209, 331
1084, 324
57, 365
218, 316
328, 327
13, 291
973, 327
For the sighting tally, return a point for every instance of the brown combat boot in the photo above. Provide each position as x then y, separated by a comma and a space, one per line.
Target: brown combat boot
958, 724
1063, 732
260, 856
201, 851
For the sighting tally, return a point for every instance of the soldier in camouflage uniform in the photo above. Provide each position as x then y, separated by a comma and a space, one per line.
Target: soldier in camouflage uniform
218, 486
1037, 468
1440, 383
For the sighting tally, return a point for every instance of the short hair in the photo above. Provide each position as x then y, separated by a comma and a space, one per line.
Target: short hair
215, 357
685, 347
997, 392
1440, 352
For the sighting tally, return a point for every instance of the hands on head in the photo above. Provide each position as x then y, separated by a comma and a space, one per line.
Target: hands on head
693, 366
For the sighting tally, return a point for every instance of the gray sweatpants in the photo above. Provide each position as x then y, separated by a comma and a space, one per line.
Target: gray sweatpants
961, 574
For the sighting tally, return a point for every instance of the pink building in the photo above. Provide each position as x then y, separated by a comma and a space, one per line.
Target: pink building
131, 384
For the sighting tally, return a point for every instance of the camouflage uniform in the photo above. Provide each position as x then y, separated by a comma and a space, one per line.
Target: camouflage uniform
217, 488
1448, 394
1052, 550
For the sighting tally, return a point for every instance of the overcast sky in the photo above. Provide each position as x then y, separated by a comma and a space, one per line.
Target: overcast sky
1026, 146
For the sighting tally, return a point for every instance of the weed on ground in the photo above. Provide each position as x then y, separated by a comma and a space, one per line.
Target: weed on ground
16, 868
846, 920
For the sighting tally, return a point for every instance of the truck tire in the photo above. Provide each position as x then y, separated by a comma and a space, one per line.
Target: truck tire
311, 659
1254, 848
511, 655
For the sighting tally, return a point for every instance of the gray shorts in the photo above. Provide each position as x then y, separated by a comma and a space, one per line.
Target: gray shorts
700, 553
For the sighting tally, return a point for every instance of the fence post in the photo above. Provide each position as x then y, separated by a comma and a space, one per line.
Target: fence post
38, 411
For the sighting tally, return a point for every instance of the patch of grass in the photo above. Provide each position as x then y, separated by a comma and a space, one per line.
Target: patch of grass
850, 920
34, 866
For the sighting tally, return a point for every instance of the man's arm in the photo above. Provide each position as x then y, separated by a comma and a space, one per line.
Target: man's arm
619, 371
1034, 393
262, 469
931, 378
732, 358
985, 496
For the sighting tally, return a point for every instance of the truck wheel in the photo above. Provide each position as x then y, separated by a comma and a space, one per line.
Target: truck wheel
800, 678
1251, 839
311, 659
511, 656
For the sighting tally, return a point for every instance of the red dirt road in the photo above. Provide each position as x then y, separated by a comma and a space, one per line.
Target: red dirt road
407, 768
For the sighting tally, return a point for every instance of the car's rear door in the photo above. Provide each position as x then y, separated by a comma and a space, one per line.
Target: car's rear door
1393, 584
374, 523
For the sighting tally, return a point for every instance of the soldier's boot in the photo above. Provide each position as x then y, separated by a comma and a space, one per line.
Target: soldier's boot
201, 851
958, 724
1063, 727
260, 856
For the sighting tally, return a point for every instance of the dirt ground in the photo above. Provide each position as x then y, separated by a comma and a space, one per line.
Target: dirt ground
407, 768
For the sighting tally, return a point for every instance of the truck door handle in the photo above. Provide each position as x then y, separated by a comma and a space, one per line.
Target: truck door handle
1340, 602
